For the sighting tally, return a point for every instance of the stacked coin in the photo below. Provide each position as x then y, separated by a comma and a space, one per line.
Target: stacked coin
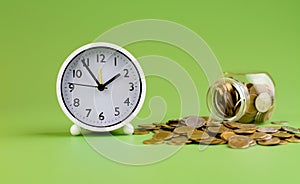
201, 130
259, 98
227, 100
261, 103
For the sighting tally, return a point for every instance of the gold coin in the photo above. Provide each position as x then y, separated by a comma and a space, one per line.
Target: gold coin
251, 107
271, 142
152, 141
265, 138
176, 135
175, 131
189, 134
237, 106
217, 130
282, 135
258, 135
239, 141
180, 140
163, 135
244, 131
232, 125
228, 86
176, 144
222, 141
197, 135
212, 141
236, 96
213, 124
229, 104
166, 127
140, 132
226, 135
248, 126
148, 127
263, 117
297, 136
183, 130
293, 140
283, 142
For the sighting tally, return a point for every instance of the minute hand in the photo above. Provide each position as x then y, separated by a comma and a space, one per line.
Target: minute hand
112, 79
91, 73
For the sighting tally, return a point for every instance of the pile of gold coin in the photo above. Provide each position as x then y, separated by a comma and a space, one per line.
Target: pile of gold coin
260, 103
200, 130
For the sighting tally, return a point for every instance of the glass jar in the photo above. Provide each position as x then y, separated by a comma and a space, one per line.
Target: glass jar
242, 97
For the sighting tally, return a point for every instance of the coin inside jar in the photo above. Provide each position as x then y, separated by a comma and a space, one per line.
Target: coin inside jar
263, 102
242, 97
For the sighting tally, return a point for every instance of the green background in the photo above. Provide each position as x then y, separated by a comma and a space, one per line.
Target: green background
36, 37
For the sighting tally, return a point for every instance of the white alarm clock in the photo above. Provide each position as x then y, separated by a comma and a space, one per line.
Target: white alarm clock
101, 87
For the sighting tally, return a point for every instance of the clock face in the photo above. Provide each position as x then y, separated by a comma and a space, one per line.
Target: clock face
101, 86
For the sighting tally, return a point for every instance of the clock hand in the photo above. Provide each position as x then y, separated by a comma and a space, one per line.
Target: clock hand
92, 75
100, 79
100, 76
109, 81
85, 85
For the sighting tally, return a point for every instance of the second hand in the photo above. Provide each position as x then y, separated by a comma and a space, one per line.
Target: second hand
85, 85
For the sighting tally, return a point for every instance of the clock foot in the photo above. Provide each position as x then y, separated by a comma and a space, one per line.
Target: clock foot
128, 129
75, 130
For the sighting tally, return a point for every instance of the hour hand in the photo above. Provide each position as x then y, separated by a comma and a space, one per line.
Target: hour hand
101, 88
112, 79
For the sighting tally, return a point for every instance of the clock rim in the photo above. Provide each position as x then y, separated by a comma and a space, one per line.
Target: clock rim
59, 90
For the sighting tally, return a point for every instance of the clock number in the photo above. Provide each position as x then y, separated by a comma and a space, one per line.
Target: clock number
71, 87
131, 86
117, 111
101, 116
100, 58
88, 112
77, 73
87, 61
115, 61
76, 102
127, 101
126, 72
